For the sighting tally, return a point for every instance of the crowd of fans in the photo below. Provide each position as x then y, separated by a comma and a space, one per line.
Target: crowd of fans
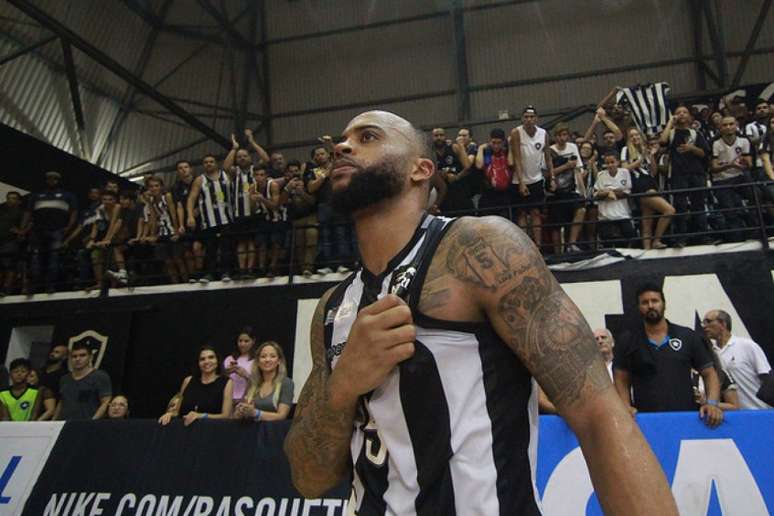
251, 383
258, 215
657, 366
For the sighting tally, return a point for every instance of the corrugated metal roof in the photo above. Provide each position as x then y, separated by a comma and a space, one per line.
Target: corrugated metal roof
521, 41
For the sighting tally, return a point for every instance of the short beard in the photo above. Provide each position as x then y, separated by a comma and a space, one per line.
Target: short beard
652, 320
368, 186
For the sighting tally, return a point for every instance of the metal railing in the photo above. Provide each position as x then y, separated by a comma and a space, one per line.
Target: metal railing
144, 268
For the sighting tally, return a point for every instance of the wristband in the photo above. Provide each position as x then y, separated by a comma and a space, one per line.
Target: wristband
257, 416
204, 415
714, 403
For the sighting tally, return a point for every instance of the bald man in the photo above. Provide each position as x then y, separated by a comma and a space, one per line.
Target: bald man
605, 343
426, 400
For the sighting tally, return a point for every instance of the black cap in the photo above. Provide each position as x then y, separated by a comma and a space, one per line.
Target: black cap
497, 133
529, 108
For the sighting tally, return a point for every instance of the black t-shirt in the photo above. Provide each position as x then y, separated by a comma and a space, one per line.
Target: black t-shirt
180, 191
9, 218
661, 375
130, 217
688, 162
603, 149
51, 380
203, 397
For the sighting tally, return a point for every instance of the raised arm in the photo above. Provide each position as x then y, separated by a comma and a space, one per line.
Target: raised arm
317, 445
228, 161
539, 322
259, 151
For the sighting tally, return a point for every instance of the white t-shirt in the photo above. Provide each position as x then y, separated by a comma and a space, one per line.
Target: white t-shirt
726, 154
533, 158
618, 209
745, 361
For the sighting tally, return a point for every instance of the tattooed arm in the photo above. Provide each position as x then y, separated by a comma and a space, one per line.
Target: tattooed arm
506, 277
317, 445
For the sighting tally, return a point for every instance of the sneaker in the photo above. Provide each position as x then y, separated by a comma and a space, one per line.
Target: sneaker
193, 279
680, 244
122, 277
324, 271
342, 269
225, 278
248, 275
307, 273
205, 279
270, 275
572, 248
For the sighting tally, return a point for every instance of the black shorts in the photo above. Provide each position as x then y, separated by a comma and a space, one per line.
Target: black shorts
166, 249
536, 196
562, 207
10, 252
273, 233
245, 228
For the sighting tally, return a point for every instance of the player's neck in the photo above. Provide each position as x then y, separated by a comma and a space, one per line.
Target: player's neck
81, 373
723, 339
18, 389
384, 230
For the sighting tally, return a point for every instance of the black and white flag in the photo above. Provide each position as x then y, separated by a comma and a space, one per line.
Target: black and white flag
648, 105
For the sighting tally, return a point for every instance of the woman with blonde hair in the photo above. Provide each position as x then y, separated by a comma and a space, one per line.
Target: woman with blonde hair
641, 164
270, 393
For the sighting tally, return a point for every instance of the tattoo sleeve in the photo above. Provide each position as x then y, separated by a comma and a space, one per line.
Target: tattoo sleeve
317, 445
527, 307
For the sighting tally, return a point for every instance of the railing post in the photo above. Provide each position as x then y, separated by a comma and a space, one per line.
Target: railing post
761, 220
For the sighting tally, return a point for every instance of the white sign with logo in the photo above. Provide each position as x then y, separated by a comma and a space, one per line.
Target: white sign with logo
24, 450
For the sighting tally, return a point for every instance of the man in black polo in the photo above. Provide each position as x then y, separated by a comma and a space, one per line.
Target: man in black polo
652, 364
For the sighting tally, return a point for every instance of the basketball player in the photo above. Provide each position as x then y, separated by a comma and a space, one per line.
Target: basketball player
433, 398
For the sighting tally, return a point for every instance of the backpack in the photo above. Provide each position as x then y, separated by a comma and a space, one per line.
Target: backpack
498, 175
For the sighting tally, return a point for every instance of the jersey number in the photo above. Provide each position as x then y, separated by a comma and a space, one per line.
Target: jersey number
375, 451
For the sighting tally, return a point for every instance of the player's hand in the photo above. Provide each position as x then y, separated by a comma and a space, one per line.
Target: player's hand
381, 337
601, 112
711, 415
249, 134
523, 190
191, 223
165, 419
234, 142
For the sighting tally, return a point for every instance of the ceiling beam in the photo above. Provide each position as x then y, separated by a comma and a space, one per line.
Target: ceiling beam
72, 80
111, 64
29, 48
740, 69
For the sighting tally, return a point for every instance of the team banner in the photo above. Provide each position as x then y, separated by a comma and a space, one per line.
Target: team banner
229, 468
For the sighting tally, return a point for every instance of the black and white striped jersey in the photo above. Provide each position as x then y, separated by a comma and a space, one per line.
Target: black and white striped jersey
277, 215
453, 430
241, 184
164, 226
215, 201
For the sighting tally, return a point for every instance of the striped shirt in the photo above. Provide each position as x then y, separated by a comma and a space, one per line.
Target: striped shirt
648, 105
453, 430
277, 215
164, 225
241, 185
215, 201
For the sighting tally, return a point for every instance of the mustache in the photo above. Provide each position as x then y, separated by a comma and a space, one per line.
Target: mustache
345, 162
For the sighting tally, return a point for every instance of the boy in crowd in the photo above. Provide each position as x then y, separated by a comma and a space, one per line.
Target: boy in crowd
210, 197
568, 191
164, 233
731, 162
11, 217
612, 187
271, 199
103, 233
85, 392
19, 402
193, 252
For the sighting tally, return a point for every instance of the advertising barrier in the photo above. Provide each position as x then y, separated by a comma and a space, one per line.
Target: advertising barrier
232, 468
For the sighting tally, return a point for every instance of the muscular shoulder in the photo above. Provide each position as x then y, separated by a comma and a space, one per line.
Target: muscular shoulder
476, 259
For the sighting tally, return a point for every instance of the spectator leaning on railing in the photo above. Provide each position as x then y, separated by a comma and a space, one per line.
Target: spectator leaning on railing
84, 392
652, 363
270, 394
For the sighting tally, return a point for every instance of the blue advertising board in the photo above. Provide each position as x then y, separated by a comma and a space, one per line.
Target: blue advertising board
722, 471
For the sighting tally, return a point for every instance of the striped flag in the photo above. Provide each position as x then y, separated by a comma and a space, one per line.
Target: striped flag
647, 104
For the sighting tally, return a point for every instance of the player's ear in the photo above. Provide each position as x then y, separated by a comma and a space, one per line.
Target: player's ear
422, 170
